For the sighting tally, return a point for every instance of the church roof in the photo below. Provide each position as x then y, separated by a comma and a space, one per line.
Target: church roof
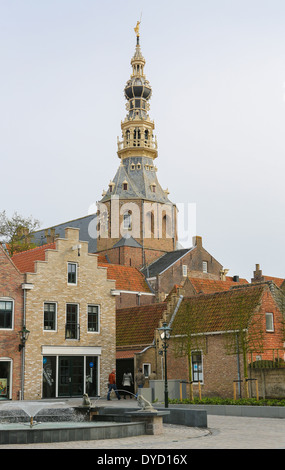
127, 241
85, 225
140, 175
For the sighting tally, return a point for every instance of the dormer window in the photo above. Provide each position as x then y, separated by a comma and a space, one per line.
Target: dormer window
153, 187
111, 186
138, 166
125, 185
133, 166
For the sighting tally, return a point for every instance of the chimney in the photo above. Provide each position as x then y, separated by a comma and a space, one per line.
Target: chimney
223, 274
257, 274
197, 241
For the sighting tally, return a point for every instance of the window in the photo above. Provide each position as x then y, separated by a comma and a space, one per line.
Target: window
133, 166
72, 325
197, 369
93, 318
6, 314
72, 273
269, 322
184, 270
127, 220
146, 370
125, 186
205, 266
49, 316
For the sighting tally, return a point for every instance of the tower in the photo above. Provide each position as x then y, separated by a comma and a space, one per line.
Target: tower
136, 219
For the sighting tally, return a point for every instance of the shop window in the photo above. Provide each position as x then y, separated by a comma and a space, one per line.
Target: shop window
5, 379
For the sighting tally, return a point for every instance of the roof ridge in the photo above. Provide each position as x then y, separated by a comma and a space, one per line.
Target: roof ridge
226, 292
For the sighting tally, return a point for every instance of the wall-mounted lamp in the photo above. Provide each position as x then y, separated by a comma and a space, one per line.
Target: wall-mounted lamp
77, 247
23, 334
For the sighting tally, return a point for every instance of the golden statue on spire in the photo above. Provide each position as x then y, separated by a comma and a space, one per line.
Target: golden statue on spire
137, 28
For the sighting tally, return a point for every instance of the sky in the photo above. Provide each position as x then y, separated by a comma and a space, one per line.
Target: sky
217, 71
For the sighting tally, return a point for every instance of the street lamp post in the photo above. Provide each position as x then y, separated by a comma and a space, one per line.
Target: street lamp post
165, 335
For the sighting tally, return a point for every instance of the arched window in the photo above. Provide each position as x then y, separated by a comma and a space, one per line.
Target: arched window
127, 223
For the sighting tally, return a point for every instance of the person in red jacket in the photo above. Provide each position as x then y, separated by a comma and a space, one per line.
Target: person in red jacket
112, 385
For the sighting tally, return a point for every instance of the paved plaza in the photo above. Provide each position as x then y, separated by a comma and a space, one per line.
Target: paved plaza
223, 432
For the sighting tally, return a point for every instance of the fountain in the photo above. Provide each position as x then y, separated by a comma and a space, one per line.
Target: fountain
61, 423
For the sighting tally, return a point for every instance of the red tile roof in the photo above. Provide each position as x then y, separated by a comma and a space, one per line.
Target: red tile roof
127, 277
222, 311
127, 354
209, 286
277, 280
135, 325
25, 261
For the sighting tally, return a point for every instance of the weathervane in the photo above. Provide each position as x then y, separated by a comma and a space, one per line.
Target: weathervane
137, 28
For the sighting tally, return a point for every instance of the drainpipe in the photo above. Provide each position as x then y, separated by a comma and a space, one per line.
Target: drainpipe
238, 366
25, 287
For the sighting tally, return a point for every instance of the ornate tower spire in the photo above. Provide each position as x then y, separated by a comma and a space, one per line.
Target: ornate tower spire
135, 209
137, 128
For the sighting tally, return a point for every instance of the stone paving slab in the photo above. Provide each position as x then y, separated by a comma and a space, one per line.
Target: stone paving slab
223, 432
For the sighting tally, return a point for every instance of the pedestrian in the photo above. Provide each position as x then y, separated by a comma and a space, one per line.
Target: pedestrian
112, 385
140, 379
127, 383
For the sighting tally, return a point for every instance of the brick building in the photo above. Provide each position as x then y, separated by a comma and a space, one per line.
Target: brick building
205, 328
175, 267
11, 322
208, 325
70, 313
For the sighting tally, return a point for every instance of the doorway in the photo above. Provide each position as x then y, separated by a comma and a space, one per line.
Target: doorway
70, 376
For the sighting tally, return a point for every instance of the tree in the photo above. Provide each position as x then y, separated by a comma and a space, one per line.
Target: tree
16, 232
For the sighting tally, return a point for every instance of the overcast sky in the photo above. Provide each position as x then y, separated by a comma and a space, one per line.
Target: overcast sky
217, 70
